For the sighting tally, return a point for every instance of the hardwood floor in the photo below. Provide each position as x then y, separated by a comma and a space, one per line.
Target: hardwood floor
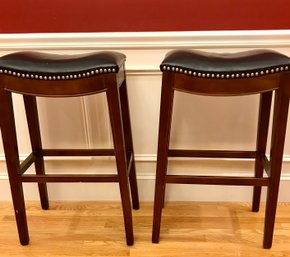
188, 229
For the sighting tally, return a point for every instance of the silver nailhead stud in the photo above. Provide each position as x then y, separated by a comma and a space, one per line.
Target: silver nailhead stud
88, 74
237, 75
32, 76
185, 72
105, 70
286, 68
164, 68
5, 71
194, 73
222, 76
113, 70
203, 75
257, 73
101, 70
1, 71
36, 76
92, 72
212, 75
281, 68
262, 73
10, 72
190, 72
272, 70
109, 70
71, 76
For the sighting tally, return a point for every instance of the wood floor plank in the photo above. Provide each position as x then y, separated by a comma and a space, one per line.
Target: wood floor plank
188, 229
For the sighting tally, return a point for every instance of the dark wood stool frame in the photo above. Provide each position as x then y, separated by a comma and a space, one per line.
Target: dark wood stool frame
114, 85
264, 83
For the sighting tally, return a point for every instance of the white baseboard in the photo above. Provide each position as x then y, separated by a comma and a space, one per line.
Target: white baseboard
145, 166
110, 192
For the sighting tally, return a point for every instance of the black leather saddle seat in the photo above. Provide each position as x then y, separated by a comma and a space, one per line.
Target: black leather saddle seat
251, 63
36, 65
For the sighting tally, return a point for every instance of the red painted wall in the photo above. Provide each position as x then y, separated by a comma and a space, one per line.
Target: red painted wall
32, 16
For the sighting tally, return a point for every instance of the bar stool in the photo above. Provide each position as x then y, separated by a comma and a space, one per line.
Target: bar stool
252, 72
49, 75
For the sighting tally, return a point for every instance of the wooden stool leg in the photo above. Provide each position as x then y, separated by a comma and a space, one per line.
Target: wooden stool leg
166, 105
262, 134
36, 145
120, 153
129, 143
281, 106
13, 165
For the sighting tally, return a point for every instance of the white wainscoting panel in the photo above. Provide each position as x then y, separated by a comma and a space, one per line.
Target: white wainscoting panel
198, 122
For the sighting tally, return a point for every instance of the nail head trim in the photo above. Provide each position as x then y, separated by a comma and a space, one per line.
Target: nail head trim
225, 75
58, 77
